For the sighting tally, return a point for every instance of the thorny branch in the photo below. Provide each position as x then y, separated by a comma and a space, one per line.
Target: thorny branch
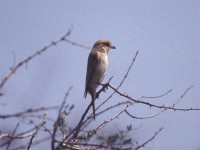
28, 111
151, 104
153, 137
37, 53
173, 105
159, 96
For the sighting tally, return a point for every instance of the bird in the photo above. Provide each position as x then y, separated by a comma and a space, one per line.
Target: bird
96, 68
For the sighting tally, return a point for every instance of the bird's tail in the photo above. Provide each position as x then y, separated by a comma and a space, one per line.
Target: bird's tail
93, 104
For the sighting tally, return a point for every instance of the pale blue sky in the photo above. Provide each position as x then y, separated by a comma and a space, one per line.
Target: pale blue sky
166, 33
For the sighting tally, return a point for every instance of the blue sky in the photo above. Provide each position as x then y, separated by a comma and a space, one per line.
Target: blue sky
166, 34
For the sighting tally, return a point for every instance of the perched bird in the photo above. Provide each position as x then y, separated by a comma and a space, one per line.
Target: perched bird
96, 68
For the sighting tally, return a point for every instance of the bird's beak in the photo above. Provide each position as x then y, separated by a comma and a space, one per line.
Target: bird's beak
112, 47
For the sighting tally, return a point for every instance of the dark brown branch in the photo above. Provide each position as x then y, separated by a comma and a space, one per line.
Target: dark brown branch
79, 125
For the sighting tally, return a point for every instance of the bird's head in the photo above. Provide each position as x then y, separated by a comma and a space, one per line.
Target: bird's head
104, 45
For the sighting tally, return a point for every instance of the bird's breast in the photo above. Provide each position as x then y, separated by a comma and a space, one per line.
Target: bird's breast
102, 64
100, 69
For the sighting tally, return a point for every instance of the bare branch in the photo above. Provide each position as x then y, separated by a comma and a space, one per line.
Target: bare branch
147, 117
153, 137
25, 61
150, 104
157, 96
106, 122
77, 44
37, 53
173, 105
9, 142
56, 124
36, 131
21, 136
28, 111
89, 118
24, 135
125, 76
34, 143
79, 125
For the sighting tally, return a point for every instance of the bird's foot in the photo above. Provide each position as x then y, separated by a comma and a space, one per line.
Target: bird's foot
105, 87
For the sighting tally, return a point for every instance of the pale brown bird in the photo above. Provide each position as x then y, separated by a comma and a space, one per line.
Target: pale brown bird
96, 68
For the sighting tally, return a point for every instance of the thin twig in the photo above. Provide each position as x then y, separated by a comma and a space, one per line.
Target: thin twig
105, 123
146, 117
37, 129
88, 120
159, 96
153, 137
150, 104
37, 53
9, 142
25, 61
173, 105
125, 76
28, 111
24, 135
77, 44
57, 121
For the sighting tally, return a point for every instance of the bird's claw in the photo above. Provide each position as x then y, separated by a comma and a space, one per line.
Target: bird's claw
105, 87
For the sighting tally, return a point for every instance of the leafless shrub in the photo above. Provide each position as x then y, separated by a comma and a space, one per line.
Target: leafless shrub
64, 137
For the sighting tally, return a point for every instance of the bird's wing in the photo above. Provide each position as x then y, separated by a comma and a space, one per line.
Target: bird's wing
91, 66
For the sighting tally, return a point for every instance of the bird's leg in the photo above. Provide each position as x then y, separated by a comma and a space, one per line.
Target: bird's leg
104, 89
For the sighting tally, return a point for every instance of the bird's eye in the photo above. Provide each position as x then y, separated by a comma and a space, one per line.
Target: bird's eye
107, 44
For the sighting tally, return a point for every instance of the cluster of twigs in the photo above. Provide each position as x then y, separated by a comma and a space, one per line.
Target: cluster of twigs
79, 137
